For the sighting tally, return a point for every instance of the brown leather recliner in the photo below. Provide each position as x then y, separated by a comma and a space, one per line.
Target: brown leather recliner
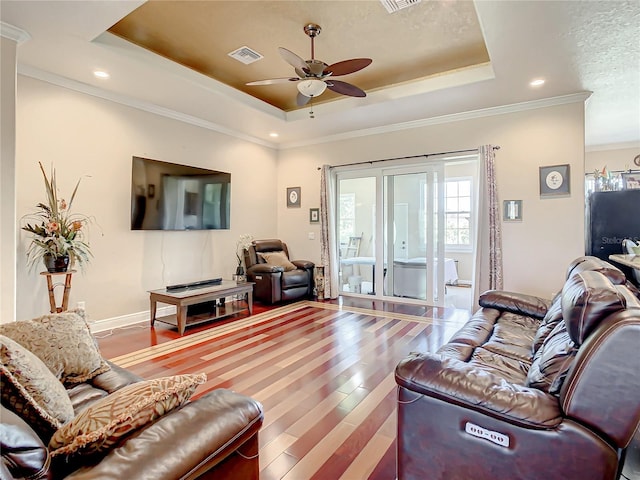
274, 282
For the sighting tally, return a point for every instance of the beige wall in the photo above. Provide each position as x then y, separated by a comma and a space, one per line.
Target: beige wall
537, 250
613, 159
85, 136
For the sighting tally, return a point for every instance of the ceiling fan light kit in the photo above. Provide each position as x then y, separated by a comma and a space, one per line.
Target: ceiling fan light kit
311, 87
315, 76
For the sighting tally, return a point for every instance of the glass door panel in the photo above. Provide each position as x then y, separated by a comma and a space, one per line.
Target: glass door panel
356, 225
413, 233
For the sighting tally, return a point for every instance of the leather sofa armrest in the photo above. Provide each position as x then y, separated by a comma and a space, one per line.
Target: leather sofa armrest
468, 386
513, 302
185, 443
303, 264
264, 268
23, 453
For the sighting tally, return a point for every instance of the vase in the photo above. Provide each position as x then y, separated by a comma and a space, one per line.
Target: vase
56, 264
239, 270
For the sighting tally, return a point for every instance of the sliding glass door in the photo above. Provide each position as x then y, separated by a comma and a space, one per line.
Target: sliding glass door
403, 207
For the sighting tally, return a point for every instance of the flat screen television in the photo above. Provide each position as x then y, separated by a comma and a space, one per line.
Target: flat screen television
168, 196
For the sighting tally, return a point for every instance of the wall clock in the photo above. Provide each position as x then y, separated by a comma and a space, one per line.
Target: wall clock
293, 197
554, 180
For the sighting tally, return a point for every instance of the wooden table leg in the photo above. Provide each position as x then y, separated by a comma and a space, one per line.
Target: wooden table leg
250, 301
182, 318
65, 295
52, 298
154, 305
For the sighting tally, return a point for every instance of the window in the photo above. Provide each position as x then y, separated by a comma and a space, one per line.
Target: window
457, 200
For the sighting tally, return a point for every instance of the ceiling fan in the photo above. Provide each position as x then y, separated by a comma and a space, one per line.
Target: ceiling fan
314, 76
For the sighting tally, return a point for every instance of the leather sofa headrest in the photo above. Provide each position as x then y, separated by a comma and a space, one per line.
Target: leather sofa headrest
589, 263
271, 245
587, 299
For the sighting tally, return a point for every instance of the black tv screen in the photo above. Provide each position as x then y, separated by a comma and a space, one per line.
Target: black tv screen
168, 196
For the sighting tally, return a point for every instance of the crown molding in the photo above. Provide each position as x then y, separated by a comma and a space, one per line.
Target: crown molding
579, 97
13, 33
69, 84
612, 146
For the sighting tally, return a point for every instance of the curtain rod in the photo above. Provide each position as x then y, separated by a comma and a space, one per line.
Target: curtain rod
425, 155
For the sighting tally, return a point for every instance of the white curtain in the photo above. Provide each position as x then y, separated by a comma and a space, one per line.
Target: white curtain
488, 256
328, 243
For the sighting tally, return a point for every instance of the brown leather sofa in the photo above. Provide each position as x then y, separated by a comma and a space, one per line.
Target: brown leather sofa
273, 282
528, 388
214, 436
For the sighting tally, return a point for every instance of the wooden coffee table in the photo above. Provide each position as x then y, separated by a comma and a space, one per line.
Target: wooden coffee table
194, 296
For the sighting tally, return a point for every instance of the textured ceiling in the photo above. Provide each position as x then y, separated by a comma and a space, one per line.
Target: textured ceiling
427, 39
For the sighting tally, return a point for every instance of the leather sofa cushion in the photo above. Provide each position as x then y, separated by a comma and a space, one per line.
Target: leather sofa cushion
588, 298
549, 322
552, 361
507, 368
295, 278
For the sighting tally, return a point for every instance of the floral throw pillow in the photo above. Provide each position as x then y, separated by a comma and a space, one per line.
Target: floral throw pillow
105, 422
31, 391
63, 342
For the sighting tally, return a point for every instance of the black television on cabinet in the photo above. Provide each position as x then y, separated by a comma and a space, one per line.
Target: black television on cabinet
169, 196
611, 217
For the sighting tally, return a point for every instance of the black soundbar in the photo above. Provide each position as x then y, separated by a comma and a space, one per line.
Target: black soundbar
199, 284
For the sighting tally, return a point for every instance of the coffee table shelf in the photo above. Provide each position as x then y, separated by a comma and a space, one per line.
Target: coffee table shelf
195, 296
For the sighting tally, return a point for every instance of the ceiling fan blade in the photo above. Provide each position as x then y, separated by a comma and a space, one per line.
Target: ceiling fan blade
273, 81
302, 100
347, 66
344, 88
292, 59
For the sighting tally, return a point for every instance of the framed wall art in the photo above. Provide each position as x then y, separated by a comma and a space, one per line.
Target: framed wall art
555, 180
512, 211
293, 197
314, 215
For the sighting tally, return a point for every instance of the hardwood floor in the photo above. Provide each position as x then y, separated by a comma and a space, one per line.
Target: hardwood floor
324, 372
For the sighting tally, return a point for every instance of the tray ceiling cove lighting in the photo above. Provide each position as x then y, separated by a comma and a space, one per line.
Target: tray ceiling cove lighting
311, 88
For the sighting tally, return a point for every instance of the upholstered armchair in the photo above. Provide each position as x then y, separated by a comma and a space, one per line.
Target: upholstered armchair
276, 277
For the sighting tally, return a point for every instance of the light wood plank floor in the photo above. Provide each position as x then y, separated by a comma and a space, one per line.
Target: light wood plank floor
324, 372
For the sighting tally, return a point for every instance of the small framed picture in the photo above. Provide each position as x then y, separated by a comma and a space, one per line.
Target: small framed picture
314, 215
151, 192
512, 210
630, 181
555, 180
293, 197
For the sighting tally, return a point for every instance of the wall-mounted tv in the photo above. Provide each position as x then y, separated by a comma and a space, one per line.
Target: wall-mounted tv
168, 196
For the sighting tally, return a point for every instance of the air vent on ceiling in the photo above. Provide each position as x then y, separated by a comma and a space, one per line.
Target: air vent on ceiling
245, 55
395, 5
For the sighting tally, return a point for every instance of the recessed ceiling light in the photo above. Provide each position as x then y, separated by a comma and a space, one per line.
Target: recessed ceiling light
273, 135
537, 82
100, 74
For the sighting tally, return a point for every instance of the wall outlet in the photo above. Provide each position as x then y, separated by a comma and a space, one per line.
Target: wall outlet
312, 235
81, 306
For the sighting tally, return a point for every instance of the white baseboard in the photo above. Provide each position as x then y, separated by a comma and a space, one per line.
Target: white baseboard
129, 319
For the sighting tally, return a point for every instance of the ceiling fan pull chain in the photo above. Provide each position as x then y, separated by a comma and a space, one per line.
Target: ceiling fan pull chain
311, 115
